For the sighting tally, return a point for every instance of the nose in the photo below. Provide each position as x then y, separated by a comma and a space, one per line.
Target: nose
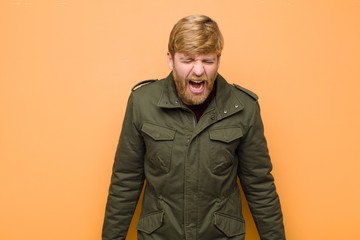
198, 69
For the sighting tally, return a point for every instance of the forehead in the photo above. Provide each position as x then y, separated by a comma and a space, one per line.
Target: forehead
195, 56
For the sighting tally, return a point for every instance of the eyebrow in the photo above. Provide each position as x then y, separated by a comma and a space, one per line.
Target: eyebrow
186, 58
191, 58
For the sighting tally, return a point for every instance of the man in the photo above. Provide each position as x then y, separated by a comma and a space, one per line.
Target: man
190, 136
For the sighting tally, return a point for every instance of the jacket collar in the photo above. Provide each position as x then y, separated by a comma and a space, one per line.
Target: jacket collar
224, 104
169, 97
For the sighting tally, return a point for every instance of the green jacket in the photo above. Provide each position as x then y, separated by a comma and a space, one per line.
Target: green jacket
191, 168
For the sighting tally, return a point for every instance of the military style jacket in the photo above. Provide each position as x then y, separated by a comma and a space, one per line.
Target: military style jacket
191, 168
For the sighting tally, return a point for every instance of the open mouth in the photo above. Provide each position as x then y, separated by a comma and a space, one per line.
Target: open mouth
196, 86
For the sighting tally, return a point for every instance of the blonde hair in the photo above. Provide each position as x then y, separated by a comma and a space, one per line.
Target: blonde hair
196, 34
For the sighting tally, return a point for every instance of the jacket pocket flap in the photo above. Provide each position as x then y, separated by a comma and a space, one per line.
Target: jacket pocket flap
230, 226
157, 132
150, 222
226, 135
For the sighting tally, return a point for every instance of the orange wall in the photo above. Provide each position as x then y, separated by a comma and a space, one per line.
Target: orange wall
66, 70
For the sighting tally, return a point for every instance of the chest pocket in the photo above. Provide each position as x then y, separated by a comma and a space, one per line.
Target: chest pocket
159, 143
224, 142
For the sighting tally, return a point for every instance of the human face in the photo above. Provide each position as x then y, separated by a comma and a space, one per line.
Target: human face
194, 76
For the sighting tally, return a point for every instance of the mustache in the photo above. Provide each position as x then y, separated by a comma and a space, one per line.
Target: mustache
195, 78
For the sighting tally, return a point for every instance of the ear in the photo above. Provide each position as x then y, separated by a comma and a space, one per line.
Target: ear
170, 61
218, 60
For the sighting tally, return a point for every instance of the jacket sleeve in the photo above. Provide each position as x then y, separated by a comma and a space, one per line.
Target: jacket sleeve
257, 182
127, 179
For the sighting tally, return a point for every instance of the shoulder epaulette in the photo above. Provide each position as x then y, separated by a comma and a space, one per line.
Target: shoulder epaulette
247, 91
140, 84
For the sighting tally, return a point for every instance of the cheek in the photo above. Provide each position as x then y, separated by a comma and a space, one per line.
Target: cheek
183, 71
211, 72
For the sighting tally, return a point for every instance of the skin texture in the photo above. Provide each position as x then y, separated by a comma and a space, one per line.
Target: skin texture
194, 76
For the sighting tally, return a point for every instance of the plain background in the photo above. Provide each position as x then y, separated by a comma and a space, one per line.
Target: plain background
67, 68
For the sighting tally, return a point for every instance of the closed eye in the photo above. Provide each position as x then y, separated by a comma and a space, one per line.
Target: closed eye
208, 61
186, 61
